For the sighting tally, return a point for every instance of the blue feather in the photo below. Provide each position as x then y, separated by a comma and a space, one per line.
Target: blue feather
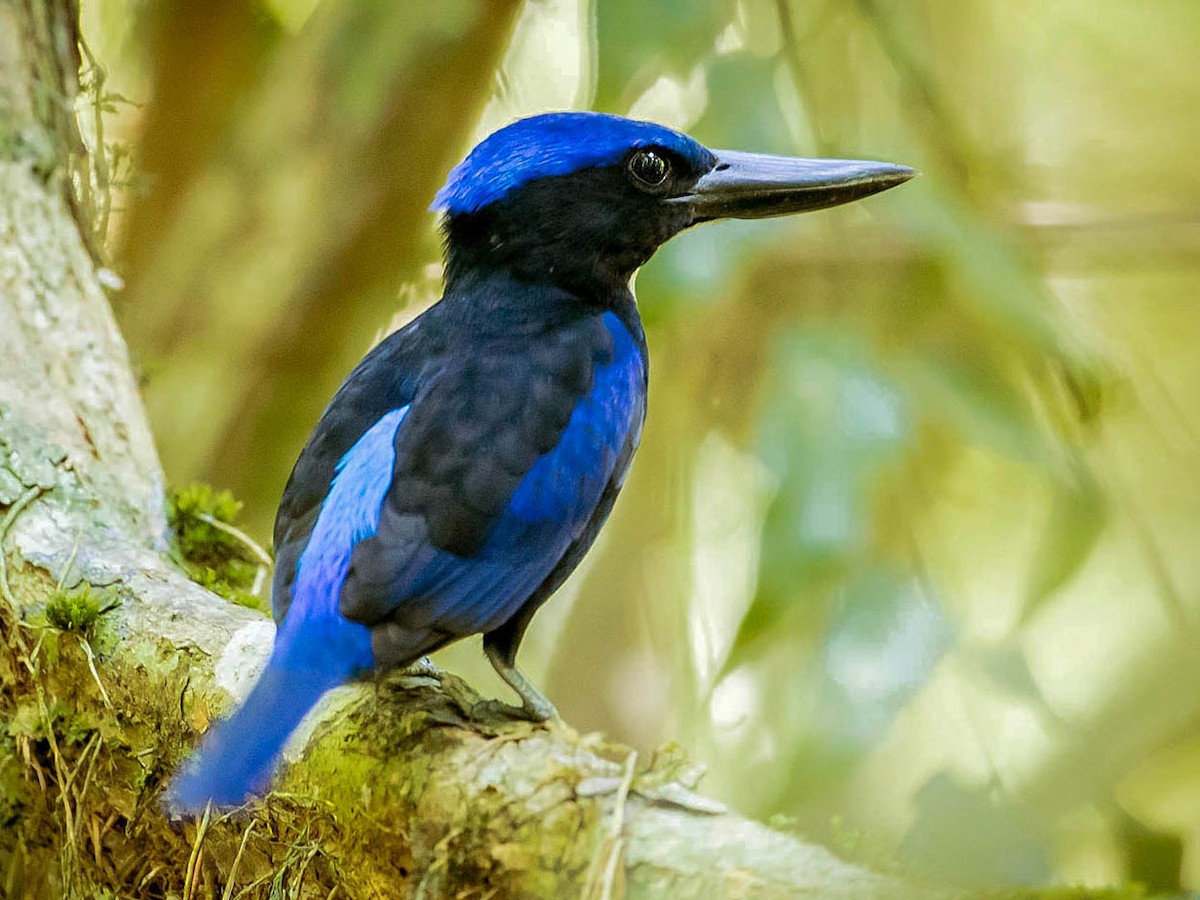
314, 631
553, 144
238, 755
316, 649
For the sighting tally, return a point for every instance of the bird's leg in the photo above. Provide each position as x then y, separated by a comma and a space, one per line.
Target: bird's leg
534, 704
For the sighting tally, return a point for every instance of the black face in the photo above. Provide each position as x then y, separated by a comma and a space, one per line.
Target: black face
587, 230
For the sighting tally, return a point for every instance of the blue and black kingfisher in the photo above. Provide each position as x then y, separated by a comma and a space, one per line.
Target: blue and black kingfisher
466, 465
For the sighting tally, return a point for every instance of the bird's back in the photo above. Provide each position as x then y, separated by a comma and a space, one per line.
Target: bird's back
481, 446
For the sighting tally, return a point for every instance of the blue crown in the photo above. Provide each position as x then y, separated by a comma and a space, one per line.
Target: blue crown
553, 144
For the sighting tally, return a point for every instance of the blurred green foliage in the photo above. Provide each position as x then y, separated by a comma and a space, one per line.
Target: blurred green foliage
910, 546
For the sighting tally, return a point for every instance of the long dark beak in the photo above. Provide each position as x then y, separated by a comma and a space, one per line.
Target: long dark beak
755, 186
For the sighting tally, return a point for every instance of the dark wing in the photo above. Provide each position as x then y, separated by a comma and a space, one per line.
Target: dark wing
386, 379
508, 635
501, 462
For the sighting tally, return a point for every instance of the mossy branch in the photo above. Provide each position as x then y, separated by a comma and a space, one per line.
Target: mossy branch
410, 785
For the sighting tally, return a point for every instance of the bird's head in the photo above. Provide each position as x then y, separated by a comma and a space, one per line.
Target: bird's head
583, 199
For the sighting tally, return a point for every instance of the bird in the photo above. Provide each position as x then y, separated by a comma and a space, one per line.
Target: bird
466, 465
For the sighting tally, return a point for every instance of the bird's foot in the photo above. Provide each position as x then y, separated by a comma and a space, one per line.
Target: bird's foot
526, 712
421, 673
423, 667
535, 706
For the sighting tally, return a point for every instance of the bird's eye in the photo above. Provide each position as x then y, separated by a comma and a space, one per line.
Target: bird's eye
649, 168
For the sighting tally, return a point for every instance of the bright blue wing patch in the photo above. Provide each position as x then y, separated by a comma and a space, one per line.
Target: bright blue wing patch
349, 514
553, 144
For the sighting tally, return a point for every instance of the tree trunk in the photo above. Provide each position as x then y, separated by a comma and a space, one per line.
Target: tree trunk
405, 787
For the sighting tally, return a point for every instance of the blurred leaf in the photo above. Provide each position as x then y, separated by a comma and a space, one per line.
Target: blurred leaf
1006, 667
993, 273
637, 42
975, 395
698, 268
729, 121
292, 14
974, 835
832, 422
1073, 527
883, 639
204, 60
883, 644
936, 124
1153, 857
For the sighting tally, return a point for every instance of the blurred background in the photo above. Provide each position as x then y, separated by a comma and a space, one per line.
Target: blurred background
910, 557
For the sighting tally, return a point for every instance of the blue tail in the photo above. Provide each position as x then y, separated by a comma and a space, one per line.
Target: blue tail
238, 756
316, 648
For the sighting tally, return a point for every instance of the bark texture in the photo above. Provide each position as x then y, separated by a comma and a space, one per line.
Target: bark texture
406, 787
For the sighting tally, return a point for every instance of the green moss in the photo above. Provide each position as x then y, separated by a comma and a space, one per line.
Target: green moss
671, 763
201, 543
68, 759
212, 556
80, 608
219, 583
37, 721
